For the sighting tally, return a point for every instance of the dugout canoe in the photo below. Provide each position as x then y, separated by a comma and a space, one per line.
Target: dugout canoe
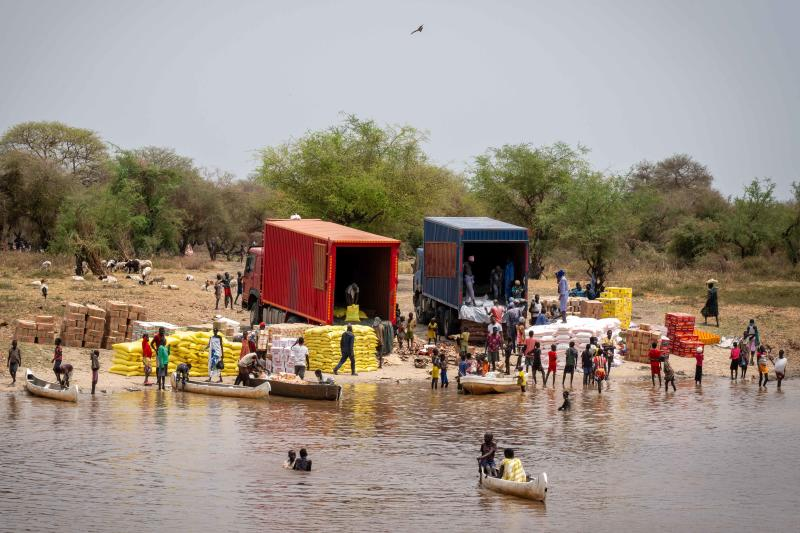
535, 489
491, 383
220, 389
305, 391
46, 389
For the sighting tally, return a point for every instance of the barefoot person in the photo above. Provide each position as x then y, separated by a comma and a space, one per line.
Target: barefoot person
66, 375
669, 375
95, 364
698, 368
147, 359
780, 367
571, 362
182, 375
486, 459
552, 357
763, 369
736, 353
712, 306
215, 355
15, 360
162, 362
655, 363
58, 354
567, 405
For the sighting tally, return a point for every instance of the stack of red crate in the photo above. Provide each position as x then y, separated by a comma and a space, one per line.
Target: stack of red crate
680, 331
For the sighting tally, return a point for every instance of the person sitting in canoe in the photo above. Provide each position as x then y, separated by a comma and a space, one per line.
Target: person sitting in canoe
302, 462
322, 380
66, 375
182, 374
486, 460
511, 468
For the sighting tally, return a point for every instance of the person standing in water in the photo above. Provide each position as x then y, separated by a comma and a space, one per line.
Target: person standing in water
763, 369
735, 355
655, 363
443, 371
435, 369
302, 463
95, 364
599, 363
698, 369
570, 363
537, 363
552, 357
669, 375
780, 367
586, 364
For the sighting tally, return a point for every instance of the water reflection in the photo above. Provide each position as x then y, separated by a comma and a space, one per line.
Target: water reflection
392, 457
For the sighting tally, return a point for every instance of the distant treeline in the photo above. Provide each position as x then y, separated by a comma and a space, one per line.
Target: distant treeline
69, 191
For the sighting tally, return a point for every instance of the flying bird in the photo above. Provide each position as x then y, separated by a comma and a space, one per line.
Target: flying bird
417, 30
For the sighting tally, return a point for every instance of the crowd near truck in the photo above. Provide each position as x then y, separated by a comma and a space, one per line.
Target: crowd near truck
448, 242
301, 271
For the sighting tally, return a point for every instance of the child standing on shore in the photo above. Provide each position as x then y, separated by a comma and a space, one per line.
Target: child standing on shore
552, 356
432, 327
411, 325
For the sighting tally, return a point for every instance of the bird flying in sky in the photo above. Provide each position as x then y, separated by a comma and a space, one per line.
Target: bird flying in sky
417, 30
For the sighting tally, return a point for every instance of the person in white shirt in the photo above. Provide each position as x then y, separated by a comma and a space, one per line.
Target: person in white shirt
780, 367
299, 358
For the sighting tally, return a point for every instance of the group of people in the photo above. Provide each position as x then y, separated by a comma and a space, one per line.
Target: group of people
223, 290
511, 468
302, 463
749, 351
158, 346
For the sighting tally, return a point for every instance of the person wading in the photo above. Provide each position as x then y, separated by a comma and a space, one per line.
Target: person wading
347, 347
14, 361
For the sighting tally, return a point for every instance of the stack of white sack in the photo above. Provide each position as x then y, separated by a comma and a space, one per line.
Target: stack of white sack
578, 330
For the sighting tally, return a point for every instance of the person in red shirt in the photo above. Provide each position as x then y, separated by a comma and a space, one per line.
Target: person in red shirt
551, 364
147, 358
698, 369
493, 345
655, 363
530, 345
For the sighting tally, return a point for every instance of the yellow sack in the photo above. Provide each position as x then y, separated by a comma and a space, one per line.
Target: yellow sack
353, 314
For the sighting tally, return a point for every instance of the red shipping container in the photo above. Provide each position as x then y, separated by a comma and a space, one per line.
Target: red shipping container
308, 264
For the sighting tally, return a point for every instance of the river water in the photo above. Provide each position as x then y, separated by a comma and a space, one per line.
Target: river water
401, 457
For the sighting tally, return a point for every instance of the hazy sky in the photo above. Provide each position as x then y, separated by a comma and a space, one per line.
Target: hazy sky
634, 79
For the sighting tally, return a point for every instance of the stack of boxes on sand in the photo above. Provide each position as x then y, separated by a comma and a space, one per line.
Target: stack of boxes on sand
41, 329
706, 337
25, 331
73, 327
618, 303
95, 327
680, 331
185, 347
119, 321
591, 309
281, 338
639, 342
324, 349
140, 327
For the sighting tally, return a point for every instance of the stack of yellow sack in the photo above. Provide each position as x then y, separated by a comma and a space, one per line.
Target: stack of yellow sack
324, 348
185, 347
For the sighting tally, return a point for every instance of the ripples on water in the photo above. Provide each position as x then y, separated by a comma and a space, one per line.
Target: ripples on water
400, 457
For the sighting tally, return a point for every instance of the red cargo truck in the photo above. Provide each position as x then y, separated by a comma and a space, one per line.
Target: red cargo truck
301, 271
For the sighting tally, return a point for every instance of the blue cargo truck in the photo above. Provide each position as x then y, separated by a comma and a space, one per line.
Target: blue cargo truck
448, 242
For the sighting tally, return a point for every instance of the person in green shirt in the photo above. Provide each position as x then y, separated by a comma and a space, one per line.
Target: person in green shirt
162, 362
569, 366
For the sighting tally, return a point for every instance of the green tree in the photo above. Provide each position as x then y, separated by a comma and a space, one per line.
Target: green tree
676, 172
31, 192
791, 226
691, 239
78, 152
515, 181
751, 223
359, 174
593, 219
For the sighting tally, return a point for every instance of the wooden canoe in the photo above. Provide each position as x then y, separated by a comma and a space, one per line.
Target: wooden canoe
45, 389
306, 391
220, 389
491, 383
535, 489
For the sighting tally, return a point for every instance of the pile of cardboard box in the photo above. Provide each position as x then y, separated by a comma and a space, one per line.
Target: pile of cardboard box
42, 330
119, 321
639, 342
591, 309
73, 327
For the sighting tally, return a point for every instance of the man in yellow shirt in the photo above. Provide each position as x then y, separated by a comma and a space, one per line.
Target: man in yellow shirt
511, 468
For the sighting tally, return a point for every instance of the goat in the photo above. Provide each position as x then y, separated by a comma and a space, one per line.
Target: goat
157, 279
146, 271
189, 277
144, 263
46, 265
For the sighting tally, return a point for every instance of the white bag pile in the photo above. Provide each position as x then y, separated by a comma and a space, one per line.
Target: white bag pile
577, 329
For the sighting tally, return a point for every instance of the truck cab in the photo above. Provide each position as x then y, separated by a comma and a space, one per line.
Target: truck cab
251, 282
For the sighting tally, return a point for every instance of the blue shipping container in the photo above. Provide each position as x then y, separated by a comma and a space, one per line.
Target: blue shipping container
449, 241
